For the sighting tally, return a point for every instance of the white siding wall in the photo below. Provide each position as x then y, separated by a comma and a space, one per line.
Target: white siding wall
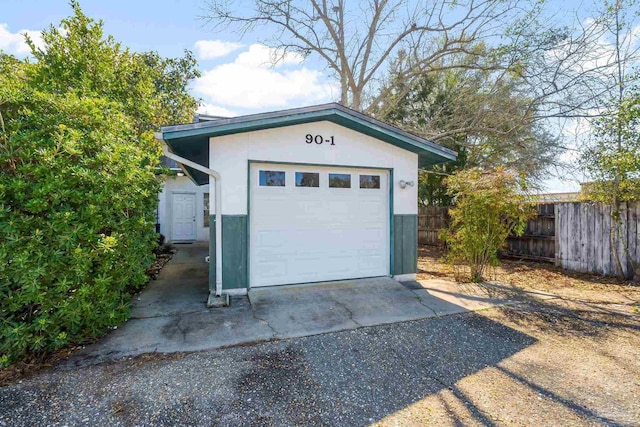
182, 184
229, 155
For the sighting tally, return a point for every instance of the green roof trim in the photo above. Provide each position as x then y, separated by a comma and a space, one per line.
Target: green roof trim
191, 140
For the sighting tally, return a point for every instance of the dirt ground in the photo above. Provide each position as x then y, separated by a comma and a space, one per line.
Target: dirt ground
583, 369
540, 276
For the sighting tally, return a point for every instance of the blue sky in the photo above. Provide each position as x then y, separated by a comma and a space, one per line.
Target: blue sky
237, 78
168, 26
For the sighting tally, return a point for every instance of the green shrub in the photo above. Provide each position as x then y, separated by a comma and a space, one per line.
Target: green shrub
489, 206
78, 181
76, 220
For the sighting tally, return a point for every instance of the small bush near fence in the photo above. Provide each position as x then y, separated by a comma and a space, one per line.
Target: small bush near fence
489, 206
77, 203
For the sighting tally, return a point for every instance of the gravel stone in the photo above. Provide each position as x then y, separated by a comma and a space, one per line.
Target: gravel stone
502, 366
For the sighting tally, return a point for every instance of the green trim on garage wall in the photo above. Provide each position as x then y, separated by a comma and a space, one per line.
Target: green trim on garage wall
248, 254
212, 252
405, 244
390, 183
234, 252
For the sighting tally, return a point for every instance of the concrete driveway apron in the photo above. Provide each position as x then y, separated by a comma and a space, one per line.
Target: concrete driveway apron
170, 314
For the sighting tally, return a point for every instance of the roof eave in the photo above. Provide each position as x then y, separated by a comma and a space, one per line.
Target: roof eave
333, 113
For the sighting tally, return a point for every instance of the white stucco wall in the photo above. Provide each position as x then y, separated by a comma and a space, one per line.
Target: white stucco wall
181, 184
229, 155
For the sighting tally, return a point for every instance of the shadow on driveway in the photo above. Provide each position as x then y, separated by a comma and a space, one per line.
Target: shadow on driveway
347, 378
363, 376
170, 315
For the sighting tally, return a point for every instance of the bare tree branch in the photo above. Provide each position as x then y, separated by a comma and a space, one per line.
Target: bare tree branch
359, 47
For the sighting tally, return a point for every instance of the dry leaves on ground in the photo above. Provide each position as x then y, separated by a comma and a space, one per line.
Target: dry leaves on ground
539, 276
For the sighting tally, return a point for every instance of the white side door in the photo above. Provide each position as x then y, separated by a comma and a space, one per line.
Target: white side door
184, 217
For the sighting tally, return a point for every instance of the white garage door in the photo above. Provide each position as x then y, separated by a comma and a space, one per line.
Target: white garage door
313, 224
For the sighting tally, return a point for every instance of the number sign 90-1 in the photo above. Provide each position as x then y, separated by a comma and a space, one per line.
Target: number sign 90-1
318, 139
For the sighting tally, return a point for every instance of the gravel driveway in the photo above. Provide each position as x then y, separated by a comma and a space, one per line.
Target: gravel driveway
538, 363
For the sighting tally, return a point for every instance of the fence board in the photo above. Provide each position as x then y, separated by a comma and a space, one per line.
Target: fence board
592, 249
637, 230
584, 239
566, 232
596, 251
563, 235
605, 240
579, 245
637, 234
601, 240
575, 231
558, 223
623, 232
575, 226
632, 227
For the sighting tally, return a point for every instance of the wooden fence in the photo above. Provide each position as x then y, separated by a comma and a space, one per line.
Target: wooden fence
538, 242
431, 219
585, 233
575, 235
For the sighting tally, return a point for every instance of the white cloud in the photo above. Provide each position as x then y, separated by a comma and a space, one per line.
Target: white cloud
251, 83
262, 56
215, 110
210, 49
14, 43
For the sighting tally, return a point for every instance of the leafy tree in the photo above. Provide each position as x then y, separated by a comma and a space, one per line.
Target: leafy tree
480, 114
78, 58
432, 190
612, 161
78, 183
489, 207
612, 158
171, 78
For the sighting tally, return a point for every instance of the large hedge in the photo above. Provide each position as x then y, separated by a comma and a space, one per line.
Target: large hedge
78, 182
76, 220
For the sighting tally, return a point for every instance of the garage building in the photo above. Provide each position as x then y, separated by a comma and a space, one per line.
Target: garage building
311, 194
